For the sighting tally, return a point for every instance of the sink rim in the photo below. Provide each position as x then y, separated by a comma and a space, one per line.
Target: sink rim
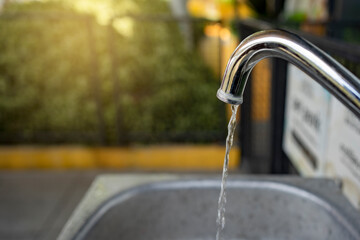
289, 185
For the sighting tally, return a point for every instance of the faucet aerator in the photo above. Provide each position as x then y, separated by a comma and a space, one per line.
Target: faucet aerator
229, 98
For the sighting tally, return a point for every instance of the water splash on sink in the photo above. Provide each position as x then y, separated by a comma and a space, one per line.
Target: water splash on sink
222, 198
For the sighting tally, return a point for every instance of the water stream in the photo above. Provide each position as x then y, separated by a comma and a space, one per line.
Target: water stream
222, 198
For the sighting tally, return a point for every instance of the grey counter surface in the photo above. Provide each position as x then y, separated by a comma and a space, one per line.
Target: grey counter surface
36, 204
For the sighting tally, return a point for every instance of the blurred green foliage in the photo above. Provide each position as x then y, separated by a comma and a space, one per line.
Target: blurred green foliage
57, 75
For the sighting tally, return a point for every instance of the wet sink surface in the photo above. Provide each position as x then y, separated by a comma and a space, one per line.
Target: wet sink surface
257, 208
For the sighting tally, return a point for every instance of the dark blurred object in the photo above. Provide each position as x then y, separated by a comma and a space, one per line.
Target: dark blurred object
332, 18
268, 9
344, 21
344, 10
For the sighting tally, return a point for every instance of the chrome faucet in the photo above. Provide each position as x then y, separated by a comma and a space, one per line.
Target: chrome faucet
310, 59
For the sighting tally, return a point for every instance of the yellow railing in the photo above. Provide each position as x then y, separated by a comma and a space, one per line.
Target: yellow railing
172, 157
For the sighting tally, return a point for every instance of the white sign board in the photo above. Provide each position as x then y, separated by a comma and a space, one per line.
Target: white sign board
321, 136
305, 129
343, 150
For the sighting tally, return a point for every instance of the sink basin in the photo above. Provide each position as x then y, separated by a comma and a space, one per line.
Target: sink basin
257, 208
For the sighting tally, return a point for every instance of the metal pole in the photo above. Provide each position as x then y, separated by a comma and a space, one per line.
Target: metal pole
94, 82
121, 136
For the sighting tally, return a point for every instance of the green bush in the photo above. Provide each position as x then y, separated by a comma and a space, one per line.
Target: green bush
51, 55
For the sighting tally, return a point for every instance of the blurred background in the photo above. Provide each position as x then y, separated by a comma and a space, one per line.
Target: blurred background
86, 79
97, 86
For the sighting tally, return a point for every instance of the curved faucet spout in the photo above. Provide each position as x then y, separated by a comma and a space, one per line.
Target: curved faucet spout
310, 59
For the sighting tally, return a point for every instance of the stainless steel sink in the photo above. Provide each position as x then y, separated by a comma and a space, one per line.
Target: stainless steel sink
257, 208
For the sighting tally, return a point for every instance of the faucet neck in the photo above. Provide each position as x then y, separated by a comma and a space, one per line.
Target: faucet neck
307, 57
